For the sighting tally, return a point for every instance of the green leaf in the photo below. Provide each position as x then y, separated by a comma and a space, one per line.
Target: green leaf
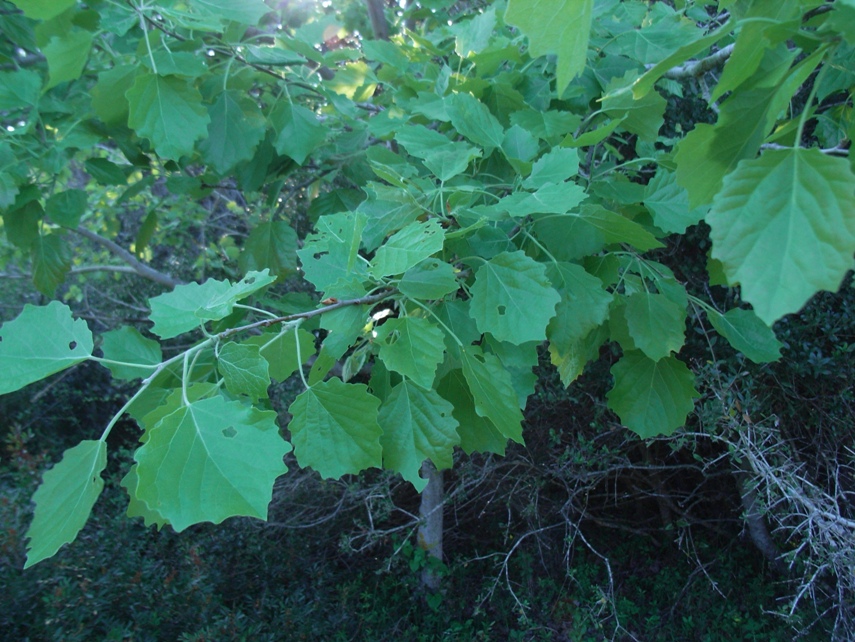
782, 227
244, 370
280, 350
404, 249
66, 56
519, 361
19, 89
105, 172
571, 357
555, 167
128, 346
512, 299
519, 144
651, 397
584, 305
137, 508
174, 313
551, 198
237, 127
616, 228
246, 12
332, 253
668, 202
417, 425
449, 161
271, 245
51, 262
169, 112
210, 460
300, 133
220, 305
430, 279
39, 342
175, 63
492, 391
472, 119
561, 27
412, 347
642, 116
22, 224
65, 498
655, 323
334, 428
67, 207
477, 433
43, 9
747, 334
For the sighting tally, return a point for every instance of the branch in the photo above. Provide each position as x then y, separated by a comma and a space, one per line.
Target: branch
140, 268
363, 300
696, 68
24, 61
378, 19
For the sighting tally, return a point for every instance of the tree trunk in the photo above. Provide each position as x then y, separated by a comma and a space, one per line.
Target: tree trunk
378, 19
430, 527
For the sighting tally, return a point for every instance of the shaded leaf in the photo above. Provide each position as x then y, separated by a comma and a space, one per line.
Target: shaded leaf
244, 370
651, 397
65, 498
417, 425
334, 428
412, 347
128, 346
492, 391
747, 334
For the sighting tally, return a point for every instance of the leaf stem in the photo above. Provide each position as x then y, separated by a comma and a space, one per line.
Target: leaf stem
438, 320
299, 357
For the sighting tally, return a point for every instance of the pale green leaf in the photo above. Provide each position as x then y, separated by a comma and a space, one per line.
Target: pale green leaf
221, 304
561, 27
332, 253
237, 127
66, 56
555, 167
300, 133
127, 346
655, 323
417, 425
334, 428
783, 228
404, 249
642, 116
51, 262
512, 299
430, 279
210, 460
519, 144
174, 313
651, 397
747, 334
449, 161
175, 63
668, 202
280, 350
43, 9
244, 370
551, 198
271, 245
247, 12
137, 508
65, 498
492, 391
169, 112
39, 342
411, 346
472, 119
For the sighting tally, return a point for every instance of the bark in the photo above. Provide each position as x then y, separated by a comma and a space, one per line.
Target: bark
378, 19
430, 527
758, 531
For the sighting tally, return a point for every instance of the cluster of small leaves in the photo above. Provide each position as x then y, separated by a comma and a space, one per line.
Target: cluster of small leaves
488, 185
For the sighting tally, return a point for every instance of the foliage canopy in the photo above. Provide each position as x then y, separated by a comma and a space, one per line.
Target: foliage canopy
485, 183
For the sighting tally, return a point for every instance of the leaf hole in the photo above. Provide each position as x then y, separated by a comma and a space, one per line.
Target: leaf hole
72, 345
502, 310
230, 432
249, 280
